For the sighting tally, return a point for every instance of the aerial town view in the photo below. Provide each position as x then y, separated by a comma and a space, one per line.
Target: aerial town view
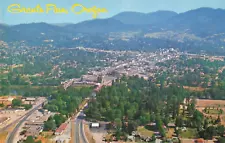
122, 71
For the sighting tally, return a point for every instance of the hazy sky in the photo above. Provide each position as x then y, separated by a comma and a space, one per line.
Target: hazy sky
113, 7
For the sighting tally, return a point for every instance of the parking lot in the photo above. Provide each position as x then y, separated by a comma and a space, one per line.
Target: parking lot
99, 133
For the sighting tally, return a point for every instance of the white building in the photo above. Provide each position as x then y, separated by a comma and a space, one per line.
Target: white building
94, 125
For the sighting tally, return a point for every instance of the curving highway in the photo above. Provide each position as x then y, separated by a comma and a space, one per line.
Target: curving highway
11, 135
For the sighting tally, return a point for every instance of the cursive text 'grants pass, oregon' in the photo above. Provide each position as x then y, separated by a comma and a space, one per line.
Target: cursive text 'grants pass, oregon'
53, 8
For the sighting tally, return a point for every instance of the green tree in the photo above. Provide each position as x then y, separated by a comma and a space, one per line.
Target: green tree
144, 119
118, 123
50, 124
27, 106
16, 102
159, 125
179, 121
197, 118
220, 130
59, 119
221, 140
218, 120
206, 123
132, 126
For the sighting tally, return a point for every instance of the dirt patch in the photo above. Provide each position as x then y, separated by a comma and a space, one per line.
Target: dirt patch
3, 119
72, 132
7, 100
3, 137
11, 128
194, 88
213, 104
187, 141
88, 134
44, 140
210, 103
170, 133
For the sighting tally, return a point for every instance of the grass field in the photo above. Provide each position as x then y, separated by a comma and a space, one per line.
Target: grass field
145, 132
190, 133
212, 111
3, 76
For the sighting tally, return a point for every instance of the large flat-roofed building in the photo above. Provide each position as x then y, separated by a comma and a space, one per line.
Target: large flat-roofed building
35, 123
28, 100
90, 78
34, 131
6, 100
94, 125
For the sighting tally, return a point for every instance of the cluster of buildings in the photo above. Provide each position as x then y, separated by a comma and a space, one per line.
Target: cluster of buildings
129, 63
3, 44
35, 123
7, 100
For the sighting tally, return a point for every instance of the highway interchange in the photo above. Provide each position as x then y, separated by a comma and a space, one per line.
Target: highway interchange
77, 123
10, 138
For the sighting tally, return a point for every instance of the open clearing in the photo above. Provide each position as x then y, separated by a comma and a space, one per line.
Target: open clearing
170, 133
210, 103
45, 137
214, 105
194, 88
189, 133
144, 132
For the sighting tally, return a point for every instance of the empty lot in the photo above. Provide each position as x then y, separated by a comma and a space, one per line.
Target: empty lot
213, 104
210, 103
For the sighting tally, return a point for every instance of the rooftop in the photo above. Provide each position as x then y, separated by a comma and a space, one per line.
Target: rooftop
61, 128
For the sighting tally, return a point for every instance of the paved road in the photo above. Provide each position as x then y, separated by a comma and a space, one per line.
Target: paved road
11, 136
9, 125
79, 132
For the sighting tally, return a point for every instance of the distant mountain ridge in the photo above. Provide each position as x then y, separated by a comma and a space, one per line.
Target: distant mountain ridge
200, 28
138, 18
202, 21
100, 26
3, 26
60, 24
